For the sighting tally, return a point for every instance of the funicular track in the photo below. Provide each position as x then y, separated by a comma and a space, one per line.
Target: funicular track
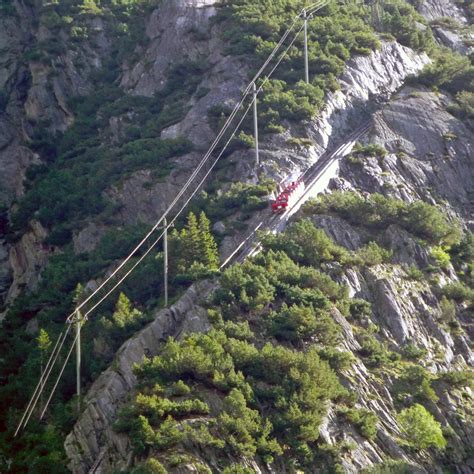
314, 179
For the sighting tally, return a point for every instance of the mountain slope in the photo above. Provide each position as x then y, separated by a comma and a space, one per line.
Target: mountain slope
110, 159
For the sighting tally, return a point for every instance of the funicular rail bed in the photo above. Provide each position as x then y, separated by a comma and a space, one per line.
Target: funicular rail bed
310, 178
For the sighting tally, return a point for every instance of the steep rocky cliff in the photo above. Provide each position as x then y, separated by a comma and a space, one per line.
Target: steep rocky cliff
35, 86
428, 156
412, 126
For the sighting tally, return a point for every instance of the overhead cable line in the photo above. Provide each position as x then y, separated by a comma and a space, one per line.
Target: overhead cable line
58, 346
173, 220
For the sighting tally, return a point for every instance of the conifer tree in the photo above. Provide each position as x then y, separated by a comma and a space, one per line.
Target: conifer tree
193, 245
209, 251
124, 313
78, 294
193, 240
44, 343
176, 253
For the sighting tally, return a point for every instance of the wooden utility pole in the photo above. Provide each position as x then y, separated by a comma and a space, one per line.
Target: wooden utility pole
255, 124
78, 359
306, 60
165, 260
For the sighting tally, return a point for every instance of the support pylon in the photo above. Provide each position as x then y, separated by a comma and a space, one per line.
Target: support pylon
255, 124
165, 261
78, 360
306, 59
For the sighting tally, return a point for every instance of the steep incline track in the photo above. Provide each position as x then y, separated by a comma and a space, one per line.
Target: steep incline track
316, 179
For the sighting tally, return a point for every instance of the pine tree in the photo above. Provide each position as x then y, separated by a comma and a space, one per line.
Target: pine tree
44, 343
193, 241
78, 294
193, 245
124, 313
176, 253
209, 251
420, 428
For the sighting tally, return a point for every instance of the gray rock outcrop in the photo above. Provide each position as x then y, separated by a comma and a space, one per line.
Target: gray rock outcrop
93, 440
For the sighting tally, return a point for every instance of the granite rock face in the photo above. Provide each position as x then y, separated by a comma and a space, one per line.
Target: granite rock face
433, 9
430, 157
430, 153
93, 438
36, 92
405, 311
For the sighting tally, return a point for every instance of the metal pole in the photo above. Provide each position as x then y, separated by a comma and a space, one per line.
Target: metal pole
78, 360
306, 60
255, 124
165, 260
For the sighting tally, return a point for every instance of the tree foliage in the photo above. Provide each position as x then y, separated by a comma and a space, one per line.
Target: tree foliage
378, 212
420, 428
336, 32
294, 386
124, 314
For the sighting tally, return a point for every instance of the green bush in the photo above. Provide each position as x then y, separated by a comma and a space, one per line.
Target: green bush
449, 70
390, 467
447, 310
307, 245
338, 360
360, 308
441, 257
364, 420
244, 287
458, 378
375, 352
237, 469
459, 292
372, 254
240, 196
300, 323
151, 466
464, 105
301, 284
293, 386
414, 273
417, 381
369, 150
402, 21
378, 212
462, 256
421, 430
412, 352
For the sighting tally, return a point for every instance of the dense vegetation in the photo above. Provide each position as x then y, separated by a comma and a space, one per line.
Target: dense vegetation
241, 390
378, 212
272, 296
23, 354
453, 73
271, 358
336, 32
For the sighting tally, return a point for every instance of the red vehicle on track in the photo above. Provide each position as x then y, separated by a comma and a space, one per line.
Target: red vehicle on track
288, 196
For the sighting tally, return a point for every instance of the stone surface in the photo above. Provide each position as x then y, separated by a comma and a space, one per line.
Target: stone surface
339, 230
432, 9
430, 153
93, 438
424, 161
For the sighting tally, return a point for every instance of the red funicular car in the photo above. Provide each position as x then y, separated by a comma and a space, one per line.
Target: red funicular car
288, 196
